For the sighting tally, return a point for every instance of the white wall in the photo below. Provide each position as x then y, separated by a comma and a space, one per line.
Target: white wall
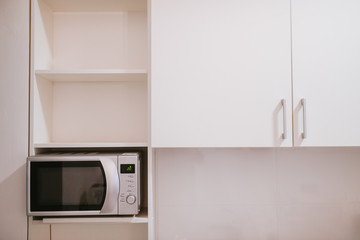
14, 65
253, 194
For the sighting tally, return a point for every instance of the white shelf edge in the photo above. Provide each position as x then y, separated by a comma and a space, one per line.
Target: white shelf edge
92, 71
93, 75
96, 220
142, 217
94, 145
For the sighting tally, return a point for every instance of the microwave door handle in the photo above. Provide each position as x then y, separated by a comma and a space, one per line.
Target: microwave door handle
112, 187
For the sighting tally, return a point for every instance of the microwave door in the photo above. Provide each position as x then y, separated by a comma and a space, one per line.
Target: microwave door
112, 187
69, 187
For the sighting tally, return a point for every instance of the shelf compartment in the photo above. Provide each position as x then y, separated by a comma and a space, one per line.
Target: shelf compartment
89, 111
76, 35
93, 75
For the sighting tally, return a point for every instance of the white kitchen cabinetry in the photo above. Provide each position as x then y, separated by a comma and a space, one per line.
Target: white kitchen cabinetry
219, 72
221, 68
326, 60
89, 73
89, 93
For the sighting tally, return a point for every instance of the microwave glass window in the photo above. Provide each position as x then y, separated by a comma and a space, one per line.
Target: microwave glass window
67, 186
127, 168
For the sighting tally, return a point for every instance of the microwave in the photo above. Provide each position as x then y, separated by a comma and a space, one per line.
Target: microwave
83, 184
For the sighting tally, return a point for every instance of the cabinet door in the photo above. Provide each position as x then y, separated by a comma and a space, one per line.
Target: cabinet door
96, 231
326, 58
219, 70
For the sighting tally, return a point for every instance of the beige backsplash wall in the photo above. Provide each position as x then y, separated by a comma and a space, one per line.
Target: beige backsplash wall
253, 194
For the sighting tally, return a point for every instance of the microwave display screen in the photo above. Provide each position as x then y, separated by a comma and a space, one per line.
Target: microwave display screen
127, 168
67, 186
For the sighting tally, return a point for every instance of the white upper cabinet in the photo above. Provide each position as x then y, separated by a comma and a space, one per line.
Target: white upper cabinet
219, 72
326, 64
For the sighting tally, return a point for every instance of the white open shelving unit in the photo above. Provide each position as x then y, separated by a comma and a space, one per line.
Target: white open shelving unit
89, 85
89, 74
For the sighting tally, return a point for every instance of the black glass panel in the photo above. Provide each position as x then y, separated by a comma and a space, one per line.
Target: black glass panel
127, 168
67, 186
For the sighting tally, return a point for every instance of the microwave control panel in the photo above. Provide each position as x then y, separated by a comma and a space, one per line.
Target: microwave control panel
129, 174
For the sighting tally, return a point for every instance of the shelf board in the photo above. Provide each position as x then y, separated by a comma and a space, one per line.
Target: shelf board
140, 218
90, 145
93, 75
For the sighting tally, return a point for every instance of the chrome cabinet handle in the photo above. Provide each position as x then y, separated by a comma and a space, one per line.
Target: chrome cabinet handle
303, 103
284, 134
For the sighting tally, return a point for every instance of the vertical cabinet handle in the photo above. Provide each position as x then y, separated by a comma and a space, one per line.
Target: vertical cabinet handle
284, 134
303, 103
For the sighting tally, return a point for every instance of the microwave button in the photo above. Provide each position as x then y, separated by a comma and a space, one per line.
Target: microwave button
131, 199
